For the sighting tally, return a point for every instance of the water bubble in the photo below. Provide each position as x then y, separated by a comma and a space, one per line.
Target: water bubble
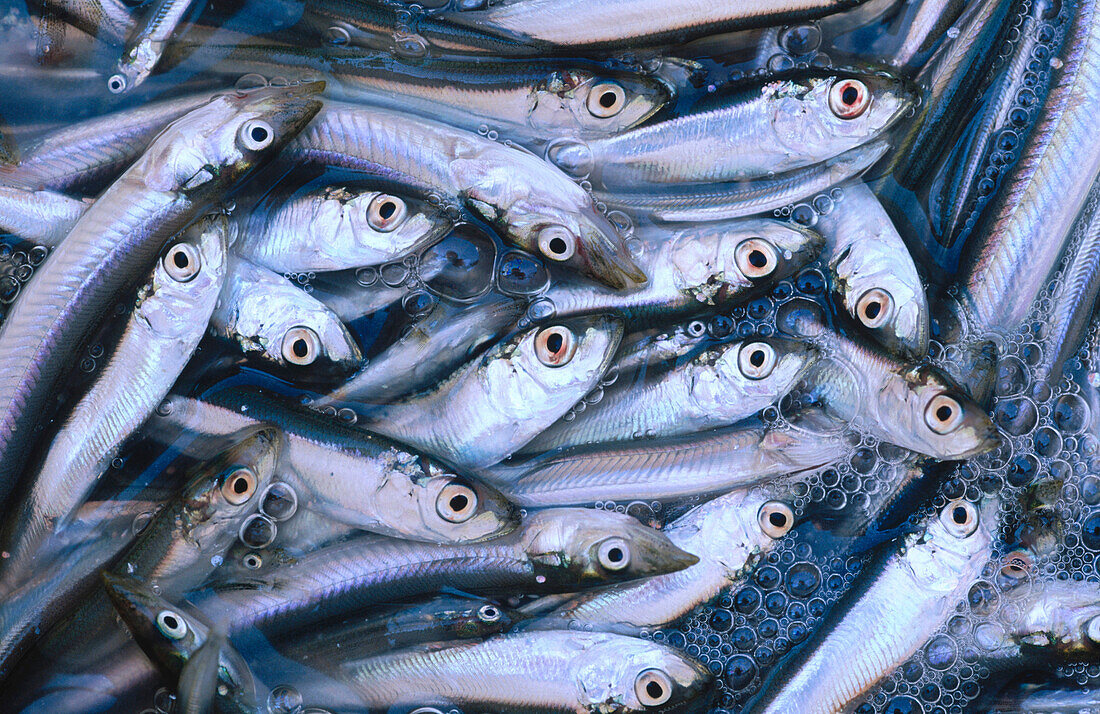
279, 502
800, 39
1012, 376
258, 531
768, 577
746, 600
941, 652
803, 579
1090, 531
468, 258
1048, 442
520, 273
1071, 414
284, 699
740, 671
1016, 416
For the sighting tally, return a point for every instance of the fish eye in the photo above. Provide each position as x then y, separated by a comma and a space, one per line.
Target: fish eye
696, 328
182, 262
960, 518
557, 243
171, 625
239, 486
256, 134
252, 561
875, 308
756, 360
756, 258
488, 613
614, 554
848, 98
776, 519
653, 688
385, 213
258, 531
943, 414
606, 99
279, 501
1092, 630
555, 346
301, 346
116, 84
456, 503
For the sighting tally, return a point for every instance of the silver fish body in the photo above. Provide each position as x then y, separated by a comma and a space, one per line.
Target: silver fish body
169, 319
269, 317
695, 268
728, 535
349, 475
40, 216
906, 596
674, 468
338, 228
562, 549
116, 239
530, 203
717, 387
489, 408
874, 275
145, 46
781, 126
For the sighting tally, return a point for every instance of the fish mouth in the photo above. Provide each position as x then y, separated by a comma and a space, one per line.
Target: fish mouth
610, 264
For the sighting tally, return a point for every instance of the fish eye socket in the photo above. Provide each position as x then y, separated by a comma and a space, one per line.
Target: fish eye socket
182, 262
301, 346
239, 486
606, 99
653, 688
960, 518
848, 98
385, 213
555, 346
456, 503
116, 84
256, 134
171, 625
756, 360
488, 613
614, 554
557, 243
875, 308
943, 414
756, 258
776, 519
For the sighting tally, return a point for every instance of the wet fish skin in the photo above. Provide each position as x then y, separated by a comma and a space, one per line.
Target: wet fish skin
349, 475
109, 20
146, 44
711, 390
530, 101
432, 348
694, 268
86, 155
334, 229
786, 124
898, 402
489, 408
657, 347
556, 549
674, 468
532, 672
550, 25
169, 319
728, 537
147, 616
902, 599
270, 318
865, 253
42, 217
1005, 268
119, 236
197, 688
730, 200
528, 202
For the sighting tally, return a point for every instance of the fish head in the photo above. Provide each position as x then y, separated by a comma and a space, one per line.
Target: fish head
587, 546
186, 280
619, 674
1060, 619
229, 488
734, 528
765, 368
214, 146
167, 634
943, 421
553, 365
958, 534
465, 617
459, 510
838, 112
374, 221
552, 216
594, 103
766, 250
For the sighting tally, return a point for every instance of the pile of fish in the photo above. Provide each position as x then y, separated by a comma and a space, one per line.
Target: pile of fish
512, 356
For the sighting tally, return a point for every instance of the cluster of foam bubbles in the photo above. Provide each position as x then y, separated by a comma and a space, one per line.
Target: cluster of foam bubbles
16, 268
